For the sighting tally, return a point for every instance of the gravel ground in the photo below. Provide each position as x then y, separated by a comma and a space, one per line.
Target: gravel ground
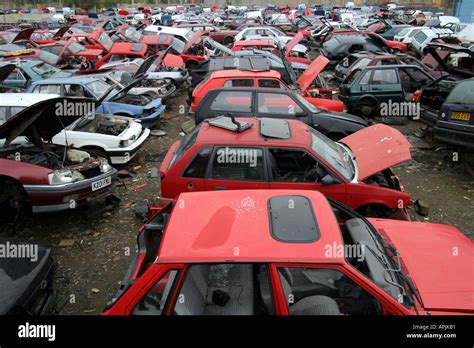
90, 269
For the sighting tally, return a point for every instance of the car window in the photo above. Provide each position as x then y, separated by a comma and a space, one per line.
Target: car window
420, 37
16, 75
186, 143
387, 61
155, 299
53, 49
463, 93
3, 114
403, 32
239, 83
384, 77
281, 104
325, 291
116, 58
361, 63
48, 89
291, 165
269, 83
366, 78
225, 289
238, 163
16, 109
228, 101
75, 91
197, 167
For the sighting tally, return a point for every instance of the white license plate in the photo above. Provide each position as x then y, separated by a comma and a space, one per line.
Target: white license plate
99, 184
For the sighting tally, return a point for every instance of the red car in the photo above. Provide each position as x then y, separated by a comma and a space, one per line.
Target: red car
70, 50
98, 39
269, 78
42, 37
42, 177
356, 171
225, 37
291, 252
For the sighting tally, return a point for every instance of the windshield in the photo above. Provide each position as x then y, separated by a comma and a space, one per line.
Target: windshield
306, 103
106, 41
333, 153
48, 57
178, 45
74, 47
189, 35
132, 34
9, 37
463, 93
45, 70
403, 32
99, 87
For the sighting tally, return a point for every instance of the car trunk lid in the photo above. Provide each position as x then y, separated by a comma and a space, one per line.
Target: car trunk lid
307, 77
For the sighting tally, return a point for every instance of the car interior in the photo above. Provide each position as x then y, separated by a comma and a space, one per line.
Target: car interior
295, 166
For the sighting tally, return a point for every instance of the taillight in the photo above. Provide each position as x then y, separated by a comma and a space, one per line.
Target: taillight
416, 96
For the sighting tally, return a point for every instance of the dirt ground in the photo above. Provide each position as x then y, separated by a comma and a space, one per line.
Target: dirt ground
90, 270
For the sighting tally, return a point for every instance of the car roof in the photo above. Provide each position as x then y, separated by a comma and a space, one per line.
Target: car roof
119, 47
299, 131
236, 225
232, 73
266, 42
24, 99
63, 80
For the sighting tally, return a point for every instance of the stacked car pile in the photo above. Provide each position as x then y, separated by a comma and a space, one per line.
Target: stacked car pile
314, 220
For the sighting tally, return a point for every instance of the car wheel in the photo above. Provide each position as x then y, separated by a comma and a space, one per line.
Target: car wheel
12, 200
191, 65
367, 107
375, 211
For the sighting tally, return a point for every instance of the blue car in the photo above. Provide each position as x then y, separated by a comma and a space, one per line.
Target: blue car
112, 99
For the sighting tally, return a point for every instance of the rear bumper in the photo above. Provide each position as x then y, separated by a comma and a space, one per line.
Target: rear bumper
460, 135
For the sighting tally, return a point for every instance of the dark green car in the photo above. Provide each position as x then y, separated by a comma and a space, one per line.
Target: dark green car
364, 90
27, 71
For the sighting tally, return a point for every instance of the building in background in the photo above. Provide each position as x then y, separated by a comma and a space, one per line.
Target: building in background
464, 9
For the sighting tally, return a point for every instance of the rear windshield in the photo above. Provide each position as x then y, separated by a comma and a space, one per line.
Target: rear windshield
403, 32
463, 93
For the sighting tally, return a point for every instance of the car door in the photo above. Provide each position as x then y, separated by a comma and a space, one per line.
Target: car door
298, 169
16, 79
236, 167
385, 85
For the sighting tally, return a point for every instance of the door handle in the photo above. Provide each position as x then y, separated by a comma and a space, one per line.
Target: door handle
219, 188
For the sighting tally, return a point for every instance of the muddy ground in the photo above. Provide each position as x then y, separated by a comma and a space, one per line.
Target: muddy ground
90, 269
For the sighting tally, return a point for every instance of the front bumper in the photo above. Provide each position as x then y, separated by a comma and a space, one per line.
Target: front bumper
124, 154
148, 120
52, 198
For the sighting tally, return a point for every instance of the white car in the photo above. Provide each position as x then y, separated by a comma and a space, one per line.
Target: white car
423, 37
180, 33
116, 137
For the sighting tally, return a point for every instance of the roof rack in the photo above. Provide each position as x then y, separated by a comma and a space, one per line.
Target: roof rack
228, 122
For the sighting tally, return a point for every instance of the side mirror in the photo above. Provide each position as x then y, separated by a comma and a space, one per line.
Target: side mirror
327, 180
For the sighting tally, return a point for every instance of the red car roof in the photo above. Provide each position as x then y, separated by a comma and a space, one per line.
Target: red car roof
270, 43
235, 226
218, 74
210, 134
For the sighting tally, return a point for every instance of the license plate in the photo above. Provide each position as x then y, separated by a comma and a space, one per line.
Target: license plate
99, 184
462, 116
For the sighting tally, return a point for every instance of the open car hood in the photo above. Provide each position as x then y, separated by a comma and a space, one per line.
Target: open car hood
24, 35
308, 76
5, 71
438, 258
39, 122
194, 39
59, 34
147, 63
121, 92
377, 148
293, 42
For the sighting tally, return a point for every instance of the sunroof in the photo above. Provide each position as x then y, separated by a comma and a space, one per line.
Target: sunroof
229, 123
136, 47
292, 219
274, 128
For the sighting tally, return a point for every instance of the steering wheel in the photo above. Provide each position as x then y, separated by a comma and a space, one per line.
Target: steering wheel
310, 172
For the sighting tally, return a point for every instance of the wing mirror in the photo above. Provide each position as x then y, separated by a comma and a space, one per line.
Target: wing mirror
327, 180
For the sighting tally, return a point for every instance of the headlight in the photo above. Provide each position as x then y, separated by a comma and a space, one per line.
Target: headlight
65, 176
105, 166
126, 143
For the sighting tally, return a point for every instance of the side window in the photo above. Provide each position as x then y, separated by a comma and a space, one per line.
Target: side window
225, 289
116, 58
47, 89
365, 79
16, 109
3, 114
269, 83
238, 83
281, 104
387, 62
75, 91
197, 167
154, 301
16, 75
238, 163
325, 291
232, 102
384, 77
288, 165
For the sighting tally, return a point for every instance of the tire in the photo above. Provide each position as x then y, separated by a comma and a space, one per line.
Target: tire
367, 107
191, 65
12, 200
375, 211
